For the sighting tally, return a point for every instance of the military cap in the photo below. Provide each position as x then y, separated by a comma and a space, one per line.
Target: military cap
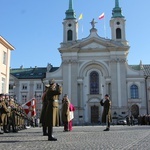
65, 95
107, 95
52, 81
47, 85
11, 99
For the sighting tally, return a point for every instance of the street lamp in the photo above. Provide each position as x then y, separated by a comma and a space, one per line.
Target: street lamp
14, 91
146, 93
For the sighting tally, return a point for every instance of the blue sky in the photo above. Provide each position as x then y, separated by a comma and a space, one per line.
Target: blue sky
34, 28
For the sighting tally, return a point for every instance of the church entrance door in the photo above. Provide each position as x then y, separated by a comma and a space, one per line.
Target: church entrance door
94, 114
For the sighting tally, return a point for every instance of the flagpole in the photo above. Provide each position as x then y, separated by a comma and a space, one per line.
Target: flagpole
80, 18
82, 31
105, 28
102, 16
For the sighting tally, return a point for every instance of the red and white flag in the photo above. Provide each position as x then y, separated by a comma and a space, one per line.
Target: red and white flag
30, 107
101, 16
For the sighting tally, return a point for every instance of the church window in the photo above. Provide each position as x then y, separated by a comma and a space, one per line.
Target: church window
69, 37
69, 25
94, 82
134, 91
118, 33
118, 23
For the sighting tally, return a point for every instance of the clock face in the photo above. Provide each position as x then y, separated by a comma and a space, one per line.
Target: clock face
118, 23
69, 25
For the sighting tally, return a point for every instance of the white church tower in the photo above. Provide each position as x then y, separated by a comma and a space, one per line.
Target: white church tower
70, 25
117, 24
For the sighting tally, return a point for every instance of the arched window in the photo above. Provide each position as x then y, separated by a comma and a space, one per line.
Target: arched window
118, 33
134, 91
69, 35
94, 82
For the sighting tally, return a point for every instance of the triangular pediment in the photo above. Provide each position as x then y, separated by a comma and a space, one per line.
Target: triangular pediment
93, 45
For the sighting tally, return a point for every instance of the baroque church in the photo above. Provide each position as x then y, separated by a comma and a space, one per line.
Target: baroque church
92, 67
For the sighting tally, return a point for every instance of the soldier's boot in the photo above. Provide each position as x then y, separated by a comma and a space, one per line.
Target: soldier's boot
14, 129
5, 129
50, 135
45, 131
1, 131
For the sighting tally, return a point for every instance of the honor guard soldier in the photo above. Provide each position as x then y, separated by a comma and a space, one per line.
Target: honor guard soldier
3, 113
52, 110
106, 116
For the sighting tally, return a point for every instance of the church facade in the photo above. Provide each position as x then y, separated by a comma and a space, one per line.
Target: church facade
94, 66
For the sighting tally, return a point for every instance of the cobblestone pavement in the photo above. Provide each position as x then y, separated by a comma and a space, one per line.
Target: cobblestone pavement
81, 138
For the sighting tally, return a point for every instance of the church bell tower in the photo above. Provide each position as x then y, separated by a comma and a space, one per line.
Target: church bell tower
117, 24
70, 25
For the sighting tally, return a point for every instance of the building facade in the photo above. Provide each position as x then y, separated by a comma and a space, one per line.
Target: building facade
94, 66
5, 54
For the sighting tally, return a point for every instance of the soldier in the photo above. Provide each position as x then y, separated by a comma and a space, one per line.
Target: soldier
106, 116
12, 115
4, 110
7, 121
44, 103
1, 132
52, 111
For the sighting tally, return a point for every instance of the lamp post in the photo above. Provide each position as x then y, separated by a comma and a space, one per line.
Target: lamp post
146, 94
14, 91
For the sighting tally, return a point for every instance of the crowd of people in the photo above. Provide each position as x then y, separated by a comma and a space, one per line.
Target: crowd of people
140, 120
12, 116
143, 119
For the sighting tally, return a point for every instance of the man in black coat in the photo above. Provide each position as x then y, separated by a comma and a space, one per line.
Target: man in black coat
106, 115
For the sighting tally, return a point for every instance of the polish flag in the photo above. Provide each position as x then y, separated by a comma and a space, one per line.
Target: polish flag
101, 16
30, 108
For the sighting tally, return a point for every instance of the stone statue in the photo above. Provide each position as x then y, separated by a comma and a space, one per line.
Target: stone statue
49, 66
93, 23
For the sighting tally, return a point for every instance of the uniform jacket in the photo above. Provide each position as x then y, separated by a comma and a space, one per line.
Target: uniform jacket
106, 110
51, 117
3, 108
44, 106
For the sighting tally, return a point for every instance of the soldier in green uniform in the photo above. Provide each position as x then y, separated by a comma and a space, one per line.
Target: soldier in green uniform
12, 115
1, 131
52, 110
106, 116
4, 110
7, 121
44, 105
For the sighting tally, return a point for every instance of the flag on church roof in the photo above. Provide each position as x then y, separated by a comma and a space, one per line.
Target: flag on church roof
101, 16
30, 107
80, 17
